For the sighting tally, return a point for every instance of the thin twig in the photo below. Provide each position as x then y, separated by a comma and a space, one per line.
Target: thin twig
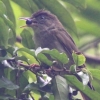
89, 45
31, 96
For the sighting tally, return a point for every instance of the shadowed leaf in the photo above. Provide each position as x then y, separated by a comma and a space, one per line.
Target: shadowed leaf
5, 83
60, 88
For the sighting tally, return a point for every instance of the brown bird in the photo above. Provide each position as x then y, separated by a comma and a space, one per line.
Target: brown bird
50, 33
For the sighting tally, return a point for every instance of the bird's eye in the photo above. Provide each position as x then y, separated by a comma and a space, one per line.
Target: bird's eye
42, 17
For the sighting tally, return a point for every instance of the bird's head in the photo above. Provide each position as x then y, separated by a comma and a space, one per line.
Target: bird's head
41, 20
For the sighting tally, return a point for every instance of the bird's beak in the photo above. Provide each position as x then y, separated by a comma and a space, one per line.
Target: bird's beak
24, 18
29, 22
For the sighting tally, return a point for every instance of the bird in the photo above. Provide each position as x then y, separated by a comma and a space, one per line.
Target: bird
50, 33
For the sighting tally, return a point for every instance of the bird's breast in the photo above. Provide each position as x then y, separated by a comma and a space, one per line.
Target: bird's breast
42, 39
47, 40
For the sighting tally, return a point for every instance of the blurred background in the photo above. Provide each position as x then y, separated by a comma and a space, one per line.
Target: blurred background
81, 18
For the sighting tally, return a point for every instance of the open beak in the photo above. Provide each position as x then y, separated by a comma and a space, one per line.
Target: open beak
24, 18
29, 22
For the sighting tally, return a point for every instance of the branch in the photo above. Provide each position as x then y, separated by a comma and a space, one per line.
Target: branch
90, 59
89, 45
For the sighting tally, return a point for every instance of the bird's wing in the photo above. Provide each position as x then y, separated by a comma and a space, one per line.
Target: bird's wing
65, 40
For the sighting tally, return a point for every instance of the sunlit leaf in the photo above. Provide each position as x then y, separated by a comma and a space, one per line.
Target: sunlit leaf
44, 59
27, 50
61, 57
41, 56
95, 73
55, 54
79, 59
76, 83
23, 58
30, 76
96, 84
29, 54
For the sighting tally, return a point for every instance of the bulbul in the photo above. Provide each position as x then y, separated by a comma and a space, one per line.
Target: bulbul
50, 33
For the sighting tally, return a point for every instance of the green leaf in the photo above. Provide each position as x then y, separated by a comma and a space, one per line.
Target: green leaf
11, 39
2, 8
27, 4
44, 59
85, 25
63, 14
29, 54
77, 3
11, 26
95, 73
37, 2
32, 5
3, 58
79, 59
27, 40
3, 14
10, 50
22, 81
23, 58
76, 83
31, 86
5, 83
30, 76
55, 54
6, 97
32, 53
61, 57
96, 84
39, 50
73, 69
9, 10
3, 34
60, 88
